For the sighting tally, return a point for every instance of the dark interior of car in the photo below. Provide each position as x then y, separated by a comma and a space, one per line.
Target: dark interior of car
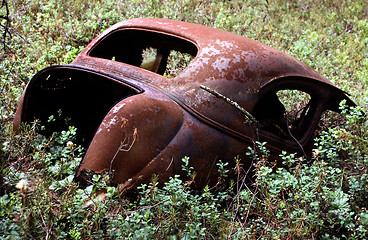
146, 49
73, 98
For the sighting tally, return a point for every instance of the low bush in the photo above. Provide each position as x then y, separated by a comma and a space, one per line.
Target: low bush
324, 198
320, 198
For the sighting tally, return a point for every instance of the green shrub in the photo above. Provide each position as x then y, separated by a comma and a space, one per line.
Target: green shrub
324, 199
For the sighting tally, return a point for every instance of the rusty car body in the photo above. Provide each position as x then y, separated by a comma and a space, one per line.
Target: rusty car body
136, 118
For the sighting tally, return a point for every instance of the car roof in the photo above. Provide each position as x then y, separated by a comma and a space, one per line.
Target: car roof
231, 64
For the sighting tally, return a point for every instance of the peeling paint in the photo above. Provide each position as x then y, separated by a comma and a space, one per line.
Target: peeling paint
117, 107
176, 117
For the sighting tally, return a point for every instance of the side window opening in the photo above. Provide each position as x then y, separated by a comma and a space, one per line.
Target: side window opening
163, 54
285, 111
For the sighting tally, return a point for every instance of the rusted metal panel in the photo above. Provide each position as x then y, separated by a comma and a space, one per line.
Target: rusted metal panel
136, 119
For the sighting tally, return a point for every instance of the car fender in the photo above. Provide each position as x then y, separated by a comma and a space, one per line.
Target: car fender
134, 131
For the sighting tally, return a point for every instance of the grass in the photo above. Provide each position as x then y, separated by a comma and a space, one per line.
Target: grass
326, 199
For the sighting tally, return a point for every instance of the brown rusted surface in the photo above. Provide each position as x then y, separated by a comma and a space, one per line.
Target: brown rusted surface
136, 121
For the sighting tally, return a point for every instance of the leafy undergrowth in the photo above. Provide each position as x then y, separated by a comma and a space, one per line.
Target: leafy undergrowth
325, 198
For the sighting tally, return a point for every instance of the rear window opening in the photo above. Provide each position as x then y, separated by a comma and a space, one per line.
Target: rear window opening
296, 104
75, 98
285, 111
164, 54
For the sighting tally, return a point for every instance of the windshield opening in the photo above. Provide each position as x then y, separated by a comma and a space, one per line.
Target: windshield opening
163, 54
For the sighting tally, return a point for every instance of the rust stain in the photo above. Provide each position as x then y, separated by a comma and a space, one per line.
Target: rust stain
111, 96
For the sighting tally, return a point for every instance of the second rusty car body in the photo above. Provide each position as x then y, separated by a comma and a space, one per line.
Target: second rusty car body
136, 119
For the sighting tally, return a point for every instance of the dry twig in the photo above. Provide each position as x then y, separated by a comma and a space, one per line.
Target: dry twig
5, 26
248, 116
